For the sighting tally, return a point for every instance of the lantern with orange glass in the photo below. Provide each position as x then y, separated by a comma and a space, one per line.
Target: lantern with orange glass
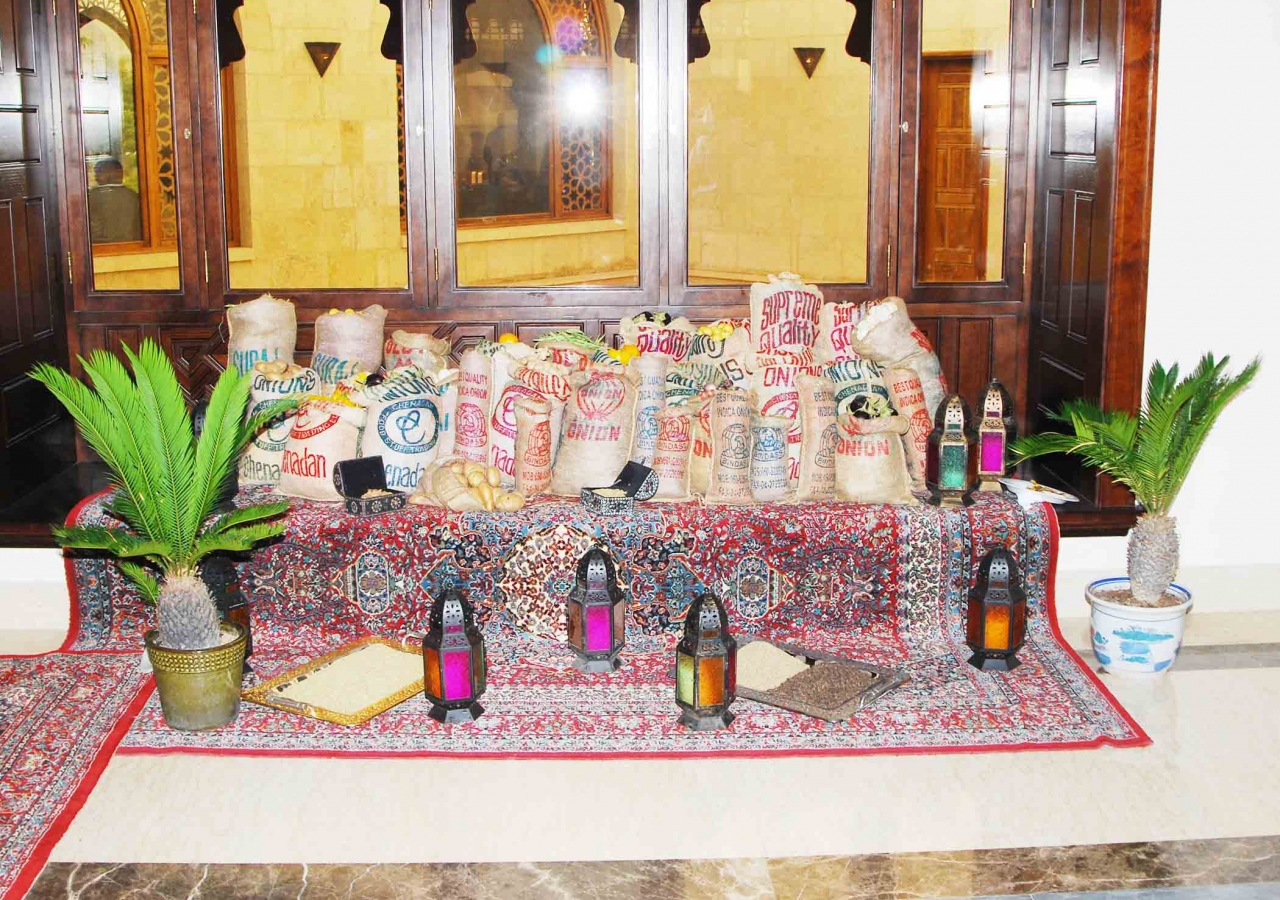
997, 625
706, 666
453, 660
596, 612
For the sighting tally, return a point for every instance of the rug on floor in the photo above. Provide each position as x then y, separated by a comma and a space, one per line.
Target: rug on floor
61, 716
883, 584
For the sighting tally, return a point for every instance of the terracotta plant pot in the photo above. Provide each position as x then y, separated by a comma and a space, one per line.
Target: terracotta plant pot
1135, 639
199, 689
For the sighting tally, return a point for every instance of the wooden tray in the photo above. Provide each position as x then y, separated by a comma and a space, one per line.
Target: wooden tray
272, 693
884, 680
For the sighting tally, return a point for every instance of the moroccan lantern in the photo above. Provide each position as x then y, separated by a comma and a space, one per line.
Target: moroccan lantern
951, 460
997, 623
596, 611
706, 666
997, 429
453, 660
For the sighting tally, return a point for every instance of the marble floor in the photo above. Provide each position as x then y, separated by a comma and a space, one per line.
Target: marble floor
1189, 818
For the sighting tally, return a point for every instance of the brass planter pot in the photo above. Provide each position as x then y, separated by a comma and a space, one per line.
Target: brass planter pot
199, 689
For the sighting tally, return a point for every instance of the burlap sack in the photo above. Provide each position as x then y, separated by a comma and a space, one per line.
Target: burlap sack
673, 339
777, 394
598, 423
769, 468
700, 454
818, 428
504, 429
471, 431
504, 359
348, 343
836, 324
870, 465
887, 336
403, 425
533, 445
262, 330
672, 453
649, 372
426, 351
449, 414
550, 379
908, 399
784, 314
854, 378
730, 447
260, 462
323, 435
717, 362
932, 382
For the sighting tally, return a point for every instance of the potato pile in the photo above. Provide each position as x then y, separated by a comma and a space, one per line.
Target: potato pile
465, 486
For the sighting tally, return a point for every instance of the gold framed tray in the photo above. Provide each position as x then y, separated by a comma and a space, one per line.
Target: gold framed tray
347, 686
862, 683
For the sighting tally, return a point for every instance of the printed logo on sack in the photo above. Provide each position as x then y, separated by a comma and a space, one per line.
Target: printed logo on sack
538, 453
410, 426
310, 422
600, 398
920, 428
786, 404
825, 458
473, 430
769, 445
670, 341
737, 447
272, 438
674, 434
304, 383
504, 417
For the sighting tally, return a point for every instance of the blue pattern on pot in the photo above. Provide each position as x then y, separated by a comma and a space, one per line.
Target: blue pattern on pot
1135, 638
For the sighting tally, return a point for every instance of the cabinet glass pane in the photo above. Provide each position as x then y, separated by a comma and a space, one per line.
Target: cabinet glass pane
779, 142
964, 138
126, 119
546, 143
313, 147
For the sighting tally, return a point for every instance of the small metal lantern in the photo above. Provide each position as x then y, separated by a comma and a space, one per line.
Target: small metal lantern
997, 625
453, 660
706, 666
996, 431
597, 611
951, 461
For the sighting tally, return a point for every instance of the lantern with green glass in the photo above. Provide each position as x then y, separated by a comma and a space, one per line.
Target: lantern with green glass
706, 666
951, 461
997, 625
596, 613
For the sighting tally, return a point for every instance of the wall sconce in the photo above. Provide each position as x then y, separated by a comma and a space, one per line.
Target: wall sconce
322, 54
809, 58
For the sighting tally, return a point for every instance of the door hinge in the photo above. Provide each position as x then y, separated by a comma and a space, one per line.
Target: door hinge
206, 267
888, 265
195, 8
55, 9
71, 270
436, 255
1024, 258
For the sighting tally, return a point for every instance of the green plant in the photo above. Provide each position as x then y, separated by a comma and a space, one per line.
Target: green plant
167, 482
1151, 454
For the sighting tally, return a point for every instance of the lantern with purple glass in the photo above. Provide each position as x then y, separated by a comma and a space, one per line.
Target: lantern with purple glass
997, 625
996, 431
596, 611
706, 666
453, 660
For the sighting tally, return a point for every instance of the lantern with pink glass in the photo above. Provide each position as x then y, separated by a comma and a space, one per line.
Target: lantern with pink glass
596, 612
453, 660
997, 429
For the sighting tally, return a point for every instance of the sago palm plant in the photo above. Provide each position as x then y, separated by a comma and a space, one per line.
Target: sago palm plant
1151, 454
167, 482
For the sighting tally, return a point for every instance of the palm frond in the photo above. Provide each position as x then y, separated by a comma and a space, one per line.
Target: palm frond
116, 541
218, 445
237, 539
145, 581
259, 420
169, 432
86, 407
246, 514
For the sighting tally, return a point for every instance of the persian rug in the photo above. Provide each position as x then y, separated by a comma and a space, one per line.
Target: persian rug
61, 716
882, 584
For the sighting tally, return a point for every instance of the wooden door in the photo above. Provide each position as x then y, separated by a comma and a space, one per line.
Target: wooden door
953, 208
35, 438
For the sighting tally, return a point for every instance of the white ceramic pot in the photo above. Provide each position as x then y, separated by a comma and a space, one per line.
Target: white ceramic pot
1135, 639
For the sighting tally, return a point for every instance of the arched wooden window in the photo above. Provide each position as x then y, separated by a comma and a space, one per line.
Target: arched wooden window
532, 97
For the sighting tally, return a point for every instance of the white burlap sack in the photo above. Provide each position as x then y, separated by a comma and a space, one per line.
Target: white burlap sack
504, 428
870, 465
323, 435
533, 445
649, 372
854, 378
471, 422
836, 324
769, 467
784, 314
426, 351
730, 447
672, 453
887, 336
260, 462
403, 425
598, 423
263, 330
817, 480
700, 454
348, 343
449, 413
550, 379
503, 361
777, 393
932, 382
716, 362
908, 399
673, 339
